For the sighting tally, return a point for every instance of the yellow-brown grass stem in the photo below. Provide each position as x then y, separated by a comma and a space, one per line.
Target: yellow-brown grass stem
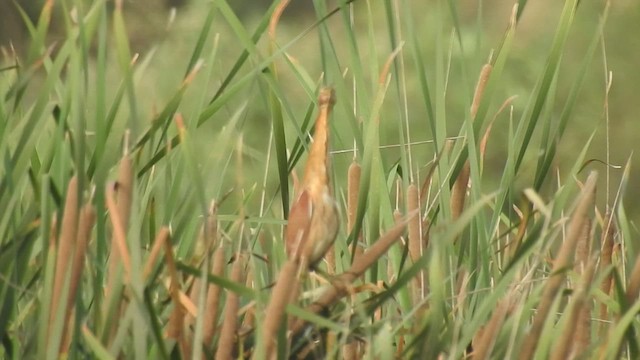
561, 263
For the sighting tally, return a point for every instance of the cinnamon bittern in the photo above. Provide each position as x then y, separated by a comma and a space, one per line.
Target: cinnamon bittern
313, 218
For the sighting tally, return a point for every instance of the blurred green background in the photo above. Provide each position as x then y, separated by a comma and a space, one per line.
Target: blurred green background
165, 30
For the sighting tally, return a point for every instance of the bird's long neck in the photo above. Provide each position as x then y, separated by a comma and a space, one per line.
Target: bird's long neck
316, 173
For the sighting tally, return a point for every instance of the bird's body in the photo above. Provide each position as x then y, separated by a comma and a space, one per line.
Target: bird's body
313, 220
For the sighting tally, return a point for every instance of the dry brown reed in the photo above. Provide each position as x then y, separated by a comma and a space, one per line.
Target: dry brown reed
227, 341
561, 263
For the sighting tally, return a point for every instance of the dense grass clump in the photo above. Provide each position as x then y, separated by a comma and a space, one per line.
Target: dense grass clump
145, 221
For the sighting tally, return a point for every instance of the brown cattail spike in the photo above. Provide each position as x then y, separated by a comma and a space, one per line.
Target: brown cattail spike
560, 264
280, 297
459, 190
66, 246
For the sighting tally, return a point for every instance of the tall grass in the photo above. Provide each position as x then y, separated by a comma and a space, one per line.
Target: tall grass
135, 226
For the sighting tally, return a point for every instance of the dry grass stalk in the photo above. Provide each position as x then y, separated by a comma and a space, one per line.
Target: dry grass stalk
227, 341
158, 243
213, 298
65, 248
459, 190
570, 338
280, 298
353, 187
341, 283
86, 222
561, 263
486, 340
608, 233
